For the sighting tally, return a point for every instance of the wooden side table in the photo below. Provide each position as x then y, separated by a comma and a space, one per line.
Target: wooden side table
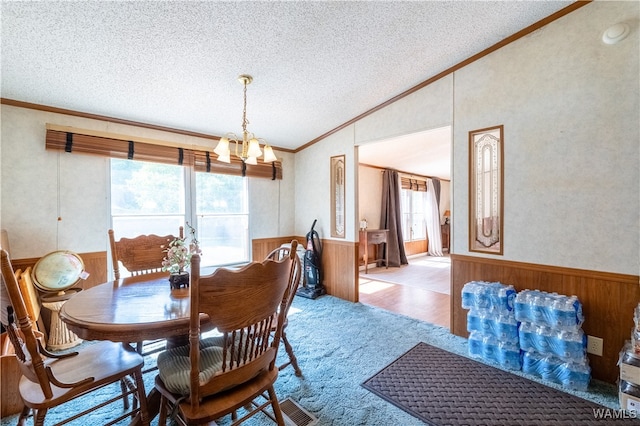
445, 237
377, 237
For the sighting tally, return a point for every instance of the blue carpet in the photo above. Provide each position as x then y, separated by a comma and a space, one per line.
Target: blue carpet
341, 344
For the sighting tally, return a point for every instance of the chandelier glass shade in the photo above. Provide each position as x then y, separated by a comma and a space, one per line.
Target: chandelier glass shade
247, 146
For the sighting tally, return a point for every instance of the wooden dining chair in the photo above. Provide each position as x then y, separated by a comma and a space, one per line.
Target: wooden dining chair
278, 254
202, 382
49, 380
141, 255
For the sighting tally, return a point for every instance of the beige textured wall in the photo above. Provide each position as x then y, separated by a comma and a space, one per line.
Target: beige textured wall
429, 108
369, 195
39, 185
569, 106
271, 203
313, 185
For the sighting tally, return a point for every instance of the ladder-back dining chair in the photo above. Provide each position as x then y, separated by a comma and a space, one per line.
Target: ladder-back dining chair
278, 254
49, 380
141, 255
202, 381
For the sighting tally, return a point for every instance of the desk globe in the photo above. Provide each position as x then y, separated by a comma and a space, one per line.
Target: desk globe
55, 274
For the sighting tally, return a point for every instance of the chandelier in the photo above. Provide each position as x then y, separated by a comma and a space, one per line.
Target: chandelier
247, 147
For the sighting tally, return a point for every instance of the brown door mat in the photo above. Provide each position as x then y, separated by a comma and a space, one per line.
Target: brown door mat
442, 388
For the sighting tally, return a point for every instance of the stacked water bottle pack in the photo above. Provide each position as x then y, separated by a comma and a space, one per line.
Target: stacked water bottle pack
551, 337
491, 322
629, 362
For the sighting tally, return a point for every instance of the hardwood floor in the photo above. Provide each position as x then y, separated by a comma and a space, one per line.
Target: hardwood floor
425, 305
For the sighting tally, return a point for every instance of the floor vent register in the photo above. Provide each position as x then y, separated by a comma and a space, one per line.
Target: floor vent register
295, 415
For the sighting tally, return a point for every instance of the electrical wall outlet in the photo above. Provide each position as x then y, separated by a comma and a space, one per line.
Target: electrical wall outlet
594, 345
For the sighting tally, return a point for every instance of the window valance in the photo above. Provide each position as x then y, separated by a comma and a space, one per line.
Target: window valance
201, 160
414, 184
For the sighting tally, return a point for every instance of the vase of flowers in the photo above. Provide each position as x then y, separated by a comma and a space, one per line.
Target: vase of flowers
178, 258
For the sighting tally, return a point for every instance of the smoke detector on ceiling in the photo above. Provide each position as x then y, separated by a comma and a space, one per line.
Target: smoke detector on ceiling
616, 33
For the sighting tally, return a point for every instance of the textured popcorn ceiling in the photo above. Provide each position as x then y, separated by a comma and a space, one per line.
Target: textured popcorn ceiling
315, 65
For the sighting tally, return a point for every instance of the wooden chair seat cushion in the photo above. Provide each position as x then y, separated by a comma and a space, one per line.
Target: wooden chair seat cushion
222, 403
174, 367
104, 361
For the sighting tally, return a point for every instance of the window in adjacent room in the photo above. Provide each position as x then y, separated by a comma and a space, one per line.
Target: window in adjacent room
413, 204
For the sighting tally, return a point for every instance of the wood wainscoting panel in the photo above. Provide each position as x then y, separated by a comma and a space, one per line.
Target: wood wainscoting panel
339, 260
608, 299
339, 268
261, 247
96, 265
415, 247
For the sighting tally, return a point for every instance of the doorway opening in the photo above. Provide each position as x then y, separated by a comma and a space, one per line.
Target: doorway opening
420, 289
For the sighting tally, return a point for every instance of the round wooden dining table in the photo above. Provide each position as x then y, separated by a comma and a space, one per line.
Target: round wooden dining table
130, 309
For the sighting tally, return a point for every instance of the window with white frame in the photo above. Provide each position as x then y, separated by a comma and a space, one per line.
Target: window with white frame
222, 210
156, 198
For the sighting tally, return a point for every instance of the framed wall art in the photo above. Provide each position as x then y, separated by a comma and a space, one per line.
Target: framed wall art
486, 181
338, 196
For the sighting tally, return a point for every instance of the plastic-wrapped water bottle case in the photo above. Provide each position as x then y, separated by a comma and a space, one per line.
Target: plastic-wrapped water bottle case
549, 309
504, 327
567, 345
491, 296
538, 332
570, 374
489, 348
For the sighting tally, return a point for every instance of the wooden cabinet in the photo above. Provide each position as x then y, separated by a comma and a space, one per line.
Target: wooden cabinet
375, 237
445, 237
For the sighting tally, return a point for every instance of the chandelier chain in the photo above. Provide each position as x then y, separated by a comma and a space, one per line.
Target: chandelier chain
244, 110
